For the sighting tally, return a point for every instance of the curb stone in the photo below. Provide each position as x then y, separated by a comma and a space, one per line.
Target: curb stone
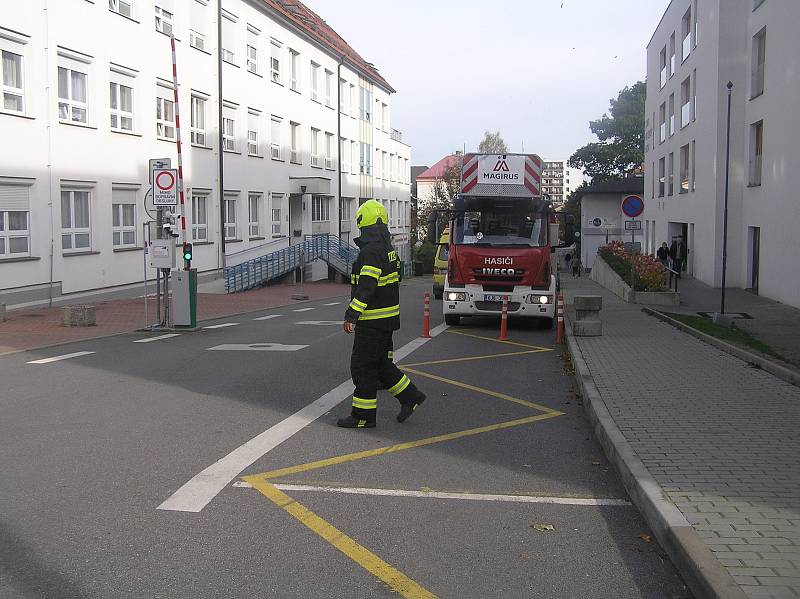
775, 369
704, 574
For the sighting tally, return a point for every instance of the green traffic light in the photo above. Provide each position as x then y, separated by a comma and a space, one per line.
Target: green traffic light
187, 252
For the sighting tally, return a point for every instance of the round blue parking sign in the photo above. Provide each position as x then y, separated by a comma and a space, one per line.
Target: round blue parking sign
632, 206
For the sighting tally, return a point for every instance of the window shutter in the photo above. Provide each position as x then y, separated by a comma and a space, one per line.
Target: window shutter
14, 198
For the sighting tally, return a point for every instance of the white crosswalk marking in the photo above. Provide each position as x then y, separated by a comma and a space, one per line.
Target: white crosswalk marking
333, 304
303, 309
222, 326
160, 337
59, 358
267, 317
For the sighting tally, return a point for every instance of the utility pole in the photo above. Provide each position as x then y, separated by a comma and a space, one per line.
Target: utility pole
725, 204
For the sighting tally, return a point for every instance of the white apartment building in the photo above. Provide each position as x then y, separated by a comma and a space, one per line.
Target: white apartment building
697, 48
87, 99
559, 180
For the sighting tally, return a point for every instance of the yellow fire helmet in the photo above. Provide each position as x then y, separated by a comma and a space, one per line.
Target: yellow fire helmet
370, 213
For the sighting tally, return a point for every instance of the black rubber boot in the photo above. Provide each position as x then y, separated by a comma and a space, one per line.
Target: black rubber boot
407, 408
353, 422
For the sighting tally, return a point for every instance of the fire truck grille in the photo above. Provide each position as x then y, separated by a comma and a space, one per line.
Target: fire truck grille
496, 306
495, 279
498, 288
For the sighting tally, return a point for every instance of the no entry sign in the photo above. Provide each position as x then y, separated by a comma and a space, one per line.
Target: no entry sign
632, 206
165, 187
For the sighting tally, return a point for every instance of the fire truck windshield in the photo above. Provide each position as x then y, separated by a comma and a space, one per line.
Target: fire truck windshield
494, 227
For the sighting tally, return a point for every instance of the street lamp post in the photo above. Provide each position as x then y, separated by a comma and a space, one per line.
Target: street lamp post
725, 201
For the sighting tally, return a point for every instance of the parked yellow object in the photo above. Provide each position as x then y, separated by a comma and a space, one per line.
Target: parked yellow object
440, 263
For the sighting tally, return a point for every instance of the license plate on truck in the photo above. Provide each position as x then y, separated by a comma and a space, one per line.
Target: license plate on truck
493, 298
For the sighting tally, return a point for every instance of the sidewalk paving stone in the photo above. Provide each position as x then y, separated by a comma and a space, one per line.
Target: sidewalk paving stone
721, 438
42, 327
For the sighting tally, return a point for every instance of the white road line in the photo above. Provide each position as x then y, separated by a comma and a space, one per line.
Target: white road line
149, 339
302, 309
463, 496
59, 358
222, 326
333, 304
256, 347
198, 492
267, 317
320, 323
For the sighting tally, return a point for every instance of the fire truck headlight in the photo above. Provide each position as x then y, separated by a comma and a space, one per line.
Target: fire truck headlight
456, 297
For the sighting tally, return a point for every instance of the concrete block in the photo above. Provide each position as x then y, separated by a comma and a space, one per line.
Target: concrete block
78, 316
589, 302
587, 328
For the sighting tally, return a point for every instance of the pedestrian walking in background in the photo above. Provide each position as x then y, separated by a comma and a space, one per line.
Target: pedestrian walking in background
663, 254
677, 252
576, 265
374, 314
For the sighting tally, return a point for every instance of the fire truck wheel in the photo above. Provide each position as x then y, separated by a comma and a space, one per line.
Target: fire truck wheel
452, 319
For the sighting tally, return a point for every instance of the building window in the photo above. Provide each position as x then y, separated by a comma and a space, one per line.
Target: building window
72, 95
314, 81
277, 203
365, 105
252, 50
328, 88
686, 102
384, 166
164, 21
230, 217
671, 115
295, 65
759, 60
661, 171
199, 217
198, 121
653, 181
275, 61
693, 171
329, 151
75, 221
662, 65
352, 100
123, 220
165, 119
197, 40
254, 208
365, 162
670, 174
253, 117
353, 157
385, 117
343, 97
320, 209
756, 152
14, 221
228, 40
315, 157
686, 28
294, 133
12, 90
275, 138
662, 119
344, 154
672, 54
345, 209
228, 129
123, 7
379, 164
121, 103
684, 166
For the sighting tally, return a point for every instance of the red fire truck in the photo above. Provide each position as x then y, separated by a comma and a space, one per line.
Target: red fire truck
501, 234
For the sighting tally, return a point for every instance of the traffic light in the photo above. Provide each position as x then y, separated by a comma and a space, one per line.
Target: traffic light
187, 254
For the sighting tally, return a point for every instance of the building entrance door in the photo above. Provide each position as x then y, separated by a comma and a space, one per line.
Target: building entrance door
295, 219
755, 256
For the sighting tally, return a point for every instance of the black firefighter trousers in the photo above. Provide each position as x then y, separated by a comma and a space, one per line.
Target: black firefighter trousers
372, 362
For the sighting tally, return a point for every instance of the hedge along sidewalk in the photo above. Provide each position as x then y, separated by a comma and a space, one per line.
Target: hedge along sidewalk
705, 444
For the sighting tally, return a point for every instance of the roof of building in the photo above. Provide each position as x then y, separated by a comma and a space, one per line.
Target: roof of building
309, 22
438, 170
634, 184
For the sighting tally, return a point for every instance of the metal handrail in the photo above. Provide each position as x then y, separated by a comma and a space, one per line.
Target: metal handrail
674, 275
260, 270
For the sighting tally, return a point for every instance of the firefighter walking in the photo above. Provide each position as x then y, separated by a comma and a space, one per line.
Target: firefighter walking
374, 314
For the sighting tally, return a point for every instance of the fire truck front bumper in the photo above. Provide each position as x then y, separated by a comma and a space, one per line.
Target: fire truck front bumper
521, 302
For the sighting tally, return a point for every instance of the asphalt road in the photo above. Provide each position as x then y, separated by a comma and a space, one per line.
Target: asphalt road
494, 488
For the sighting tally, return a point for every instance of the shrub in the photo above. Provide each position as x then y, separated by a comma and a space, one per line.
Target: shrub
649, 275
425, 254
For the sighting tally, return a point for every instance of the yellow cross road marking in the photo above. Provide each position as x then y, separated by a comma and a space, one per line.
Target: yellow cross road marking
516, 353
521, 402
398, 581
465, 334
360, 455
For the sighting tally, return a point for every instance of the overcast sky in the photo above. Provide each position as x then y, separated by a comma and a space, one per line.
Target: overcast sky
536, 70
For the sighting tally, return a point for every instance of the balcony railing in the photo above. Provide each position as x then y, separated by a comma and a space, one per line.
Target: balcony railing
396, 135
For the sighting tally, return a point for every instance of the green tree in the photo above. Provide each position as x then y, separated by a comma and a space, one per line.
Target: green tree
492, 144
439, 198
620, 151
